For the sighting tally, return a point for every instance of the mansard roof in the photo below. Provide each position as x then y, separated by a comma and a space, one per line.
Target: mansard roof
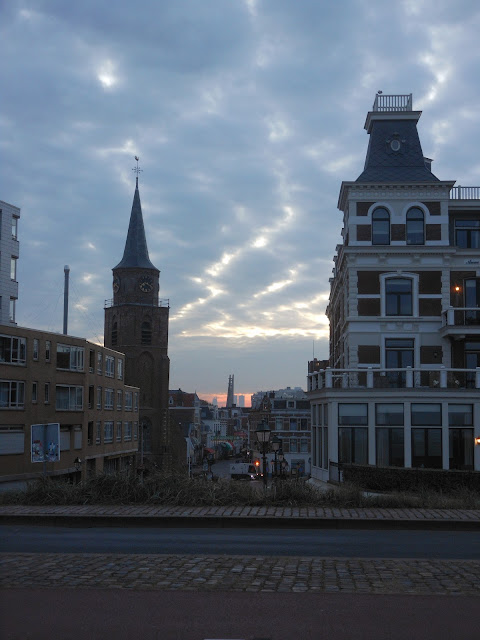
136, 251
394, 151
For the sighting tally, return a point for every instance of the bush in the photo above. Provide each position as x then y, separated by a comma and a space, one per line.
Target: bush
372, 478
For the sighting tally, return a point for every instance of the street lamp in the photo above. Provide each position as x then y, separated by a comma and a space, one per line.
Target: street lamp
281, 459
263, 436
276, 444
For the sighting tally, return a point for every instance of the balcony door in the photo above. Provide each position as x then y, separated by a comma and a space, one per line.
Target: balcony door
472, 301
399, 354
472, 361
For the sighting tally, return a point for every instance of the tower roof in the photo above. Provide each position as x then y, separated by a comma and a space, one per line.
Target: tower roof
136, 251
394, 150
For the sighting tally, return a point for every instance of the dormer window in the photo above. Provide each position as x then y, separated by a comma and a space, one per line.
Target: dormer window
415, 226
380, 226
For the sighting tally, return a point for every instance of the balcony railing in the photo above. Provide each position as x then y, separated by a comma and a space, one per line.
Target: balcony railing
461, 317
465, 193
408, 378
392, 102
161, 303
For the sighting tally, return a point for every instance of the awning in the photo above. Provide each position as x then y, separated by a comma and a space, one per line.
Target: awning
227, 445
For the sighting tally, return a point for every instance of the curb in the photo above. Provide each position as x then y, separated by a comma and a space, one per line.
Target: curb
229, 522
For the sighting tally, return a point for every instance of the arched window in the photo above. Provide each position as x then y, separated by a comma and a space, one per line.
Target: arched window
146, 333
114, 334
380, 226
415, 226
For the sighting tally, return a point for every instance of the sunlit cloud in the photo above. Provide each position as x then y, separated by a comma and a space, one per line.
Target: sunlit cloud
106, 75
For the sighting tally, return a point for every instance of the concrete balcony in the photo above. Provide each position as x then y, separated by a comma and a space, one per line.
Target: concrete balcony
388, 379
460, 322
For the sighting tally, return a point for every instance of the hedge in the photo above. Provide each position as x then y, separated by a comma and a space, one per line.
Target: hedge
373, 478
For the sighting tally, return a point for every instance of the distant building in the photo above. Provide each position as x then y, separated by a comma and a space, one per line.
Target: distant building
402, 383
241, 401
287, 413
53, 378
230, 392
9, 253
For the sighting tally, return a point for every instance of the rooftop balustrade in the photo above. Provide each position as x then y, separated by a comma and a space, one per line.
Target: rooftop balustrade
407, 378
465, 193
392, 102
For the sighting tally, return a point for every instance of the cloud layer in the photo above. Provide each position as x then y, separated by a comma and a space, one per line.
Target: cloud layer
246, 115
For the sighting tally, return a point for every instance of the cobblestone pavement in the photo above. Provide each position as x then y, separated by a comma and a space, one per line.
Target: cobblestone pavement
240, 573
146, 511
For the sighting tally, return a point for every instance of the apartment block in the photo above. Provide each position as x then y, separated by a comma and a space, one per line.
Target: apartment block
53, 378
9, 254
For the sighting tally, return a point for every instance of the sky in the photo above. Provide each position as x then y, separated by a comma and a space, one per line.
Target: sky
246, 115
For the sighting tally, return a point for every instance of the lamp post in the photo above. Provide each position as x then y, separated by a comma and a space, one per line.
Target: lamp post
281, 459
276, 443
263, 436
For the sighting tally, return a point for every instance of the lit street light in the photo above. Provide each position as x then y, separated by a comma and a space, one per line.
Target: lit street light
263, 437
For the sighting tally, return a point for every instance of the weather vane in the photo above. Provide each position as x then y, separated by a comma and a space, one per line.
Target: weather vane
136, 169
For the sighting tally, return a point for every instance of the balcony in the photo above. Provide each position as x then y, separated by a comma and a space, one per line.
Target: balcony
460, 322
409, 378
465, 193
392, 102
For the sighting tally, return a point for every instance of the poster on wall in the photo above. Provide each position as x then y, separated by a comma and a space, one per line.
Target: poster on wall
45, 442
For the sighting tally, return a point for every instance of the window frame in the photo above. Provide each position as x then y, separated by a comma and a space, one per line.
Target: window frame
421, 217
376, 220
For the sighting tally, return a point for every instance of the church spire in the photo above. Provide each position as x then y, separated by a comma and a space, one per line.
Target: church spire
136, 251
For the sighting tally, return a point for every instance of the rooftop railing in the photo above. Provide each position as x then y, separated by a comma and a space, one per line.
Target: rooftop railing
407, 378
392, 102
465, 193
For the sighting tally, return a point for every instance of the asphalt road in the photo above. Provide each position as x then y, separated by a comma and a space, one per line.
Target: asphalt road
270, 542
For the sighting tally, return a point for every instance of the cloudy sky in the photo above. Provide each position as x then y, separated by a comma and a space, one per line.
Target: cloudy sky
246, 115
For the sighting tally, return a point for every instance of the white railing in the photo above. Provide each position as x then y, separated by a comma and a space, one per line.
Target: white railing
406, 378
465, 193
461, 317
392, 102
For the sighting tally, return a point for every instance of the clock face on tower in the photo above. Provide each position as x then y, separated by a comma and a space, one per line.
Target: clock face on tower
146, 284
116, 284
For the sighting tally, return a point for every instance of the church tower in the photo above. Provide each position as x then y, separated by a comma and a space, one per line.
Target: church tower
136, 323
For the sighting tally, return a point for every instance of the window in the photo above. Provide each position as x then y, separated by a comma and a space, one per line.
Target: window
325, 447
99, 363
68, 398
398, 297
46, 393
353, 445
355, 414
467, 234
415, 226
460, 415
114, 334
390, 447
110, 366
13, 268
426, 415
91, 393
472, 300
14, 227
146, 333
70, 357
91, 360
99, 397
108, 432
12, 439
108, 399
64, 439
12, 309
461, 449
135, 430
427, 448
98, 437
119, 431
12, 350
293, 445
128, 431
90, 433
120, 369
35, 349
389, 414
135, 396
325, 415
278, 424
12, 394
293, 424
48, 348
380, 226
34, 391
304, 445
119, 399
128, 401
399, 354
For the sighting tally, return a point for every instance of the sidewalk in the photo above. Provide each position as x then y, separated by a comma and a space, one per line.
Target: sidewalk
287, 517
